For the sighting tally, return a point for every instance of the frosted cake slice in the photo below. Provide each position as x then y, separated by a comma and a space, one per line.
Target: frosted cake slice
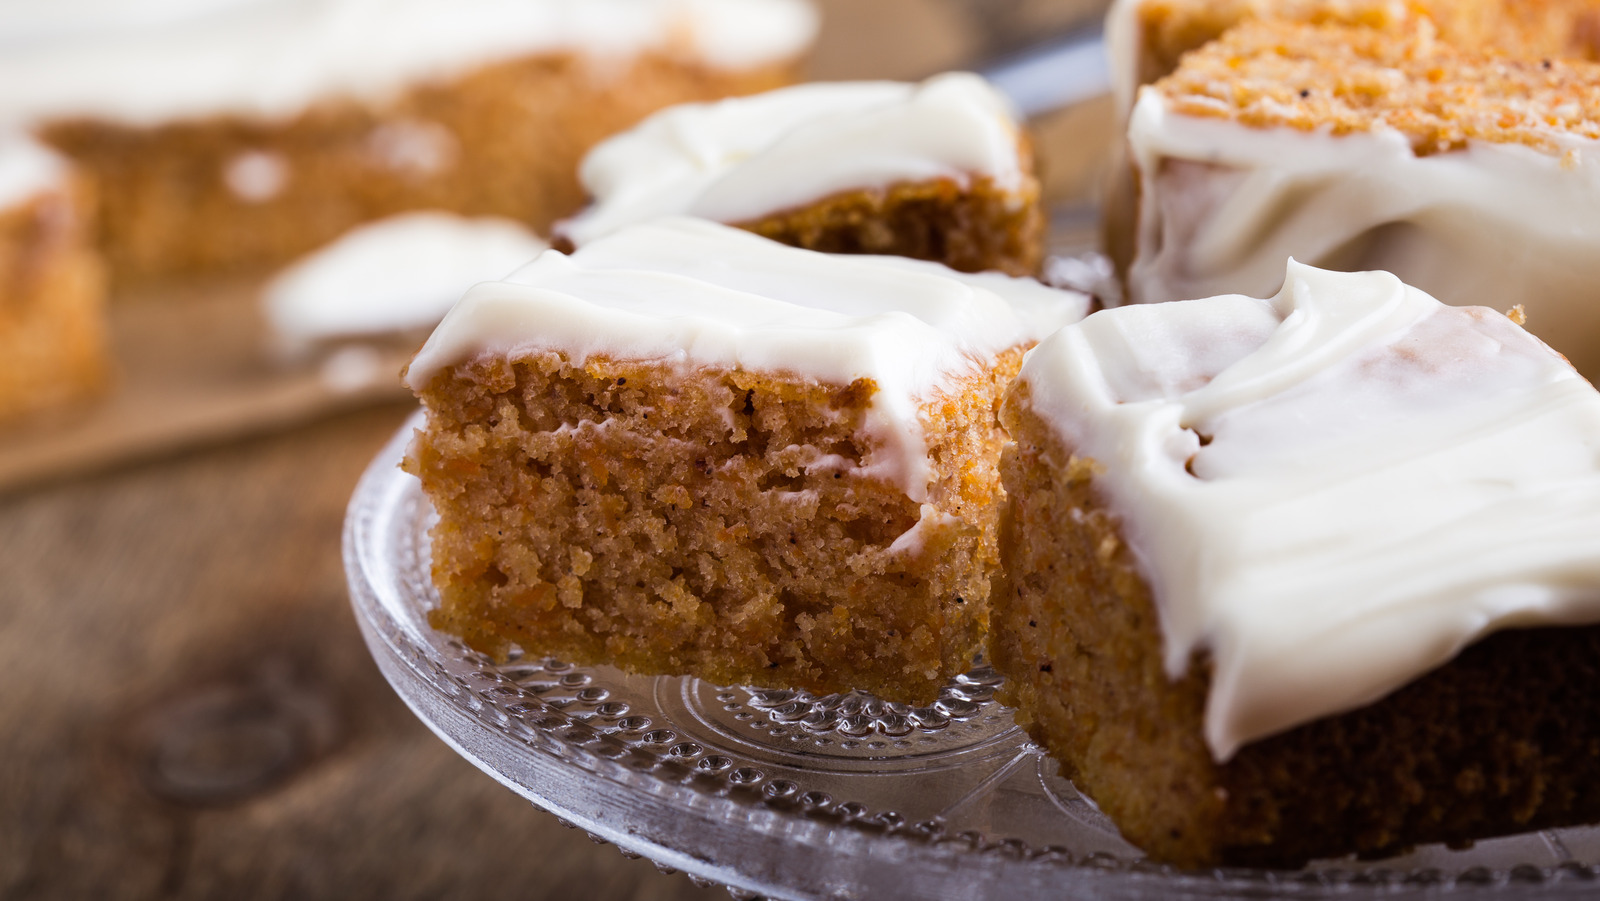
935, 171
1470, 175
688, 449
1307, 576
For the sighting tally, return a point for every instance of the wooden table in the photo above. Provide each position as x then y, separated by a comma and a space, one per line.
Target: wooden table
189, 710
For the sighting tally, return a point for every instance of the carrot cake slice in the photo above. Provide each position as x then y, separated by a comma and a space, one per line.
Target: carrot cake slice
936, 171
1147, 39
1470, 175
53, 342
1306, 576
233, 132
688, 449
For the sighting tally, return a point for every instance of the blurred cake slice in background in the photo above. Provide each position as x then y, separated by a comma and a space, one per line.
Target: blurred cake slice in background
53, 341
234, 132
1472, 175
396, 276
937, 171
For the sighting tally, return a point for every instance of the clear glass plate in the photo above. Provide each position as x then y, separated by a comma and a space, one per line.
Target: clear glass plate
786, 795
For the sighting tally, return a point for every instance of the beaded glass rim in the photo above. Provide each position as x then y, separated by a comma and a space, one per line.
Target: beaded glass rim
785, 795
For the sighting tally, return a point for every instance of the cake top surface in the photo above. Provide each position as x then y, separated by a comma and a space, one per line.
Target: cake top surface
746, 158
701, 294
27, 167
1334, 490
1341, 79
1149, 37
399, 273
143, 62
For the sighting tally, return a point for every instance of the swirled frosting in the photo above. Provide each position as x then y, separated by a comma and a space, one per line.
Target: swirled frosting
143, 62
746, 158
1334, 490
702, 294
1223, 205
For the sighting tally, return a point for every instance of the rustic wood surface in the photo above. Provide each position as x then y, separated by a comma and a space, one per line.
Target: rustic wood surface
188, 709
196, 364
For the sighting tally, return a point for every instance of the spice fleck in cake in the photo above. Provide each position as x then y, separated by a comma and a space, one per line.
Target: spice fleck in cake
936, 171
1308, 576
689, 449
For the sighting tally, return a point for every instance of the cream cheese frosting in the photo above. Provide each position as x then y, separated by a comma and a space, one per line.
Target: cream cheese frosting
1223, 205
701, 294
27, 168
143, 62
743, 159
1332, 491
396, 274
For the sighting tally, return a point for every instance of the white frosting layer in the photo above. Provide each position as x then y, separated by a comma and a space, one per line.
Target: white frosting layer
1494, 225
400, 273
701, 294
27, 167
1386, 479
746, 158
144, 62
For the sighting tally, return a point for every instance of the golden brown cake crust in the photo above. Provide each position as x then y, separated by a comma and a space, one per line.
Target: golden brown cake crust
1535, 29
505, 140
1343, 80
709, 522
1500, 740
53, 340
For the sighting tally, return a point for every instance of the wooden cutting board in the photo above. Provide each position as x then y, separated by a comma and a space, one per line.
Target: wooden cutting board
195, 364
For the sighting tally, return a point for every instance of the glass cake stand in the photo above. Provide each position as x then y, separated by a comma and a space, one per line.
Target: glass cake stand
785, 795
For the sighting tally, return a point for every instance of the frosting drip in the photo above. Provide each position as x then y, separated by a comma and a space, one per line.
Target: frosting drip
143, 63
1494, 225
1334, 490
702, 294
742, 159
